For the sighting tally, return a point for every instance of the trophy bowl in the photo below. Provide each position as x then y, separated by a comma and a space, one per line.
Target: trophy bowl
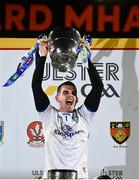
63, 42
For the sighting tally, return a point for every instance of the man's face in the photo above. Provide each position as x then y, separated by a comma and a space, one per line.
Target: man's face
67, 98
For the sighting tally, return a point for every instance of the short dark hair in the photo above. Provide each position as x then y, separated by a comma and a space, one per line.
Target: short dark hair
66, 83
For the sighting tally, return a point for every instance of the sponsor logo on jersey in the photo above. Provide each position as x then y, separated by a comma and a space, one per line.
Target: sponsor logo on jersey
1, 131
120, 131
65, 134
67, 125
35, 134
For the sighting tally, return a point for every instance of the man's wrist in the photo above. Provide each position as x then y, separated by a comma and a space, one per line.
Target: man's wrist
42, 58
42, 54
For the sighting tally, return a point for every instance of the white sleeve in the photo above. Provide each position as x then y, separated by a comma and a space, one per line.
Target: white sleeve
87, 115
47, 116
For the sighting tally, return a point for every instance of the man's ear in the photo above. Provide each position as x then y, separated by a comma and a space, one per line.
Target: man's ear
57, 98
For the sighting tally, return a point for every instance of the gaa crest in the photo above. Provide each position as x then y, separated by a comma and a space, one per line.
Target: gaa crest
1, 131
35, 134
120, 131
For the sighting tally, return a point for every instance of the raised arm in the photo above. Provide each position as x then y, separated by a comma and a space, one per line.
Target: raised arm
40, 98
93, 98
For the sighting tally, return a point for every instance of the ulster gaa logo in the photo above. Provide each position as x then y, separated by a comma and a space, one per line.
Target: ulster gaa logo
120, 131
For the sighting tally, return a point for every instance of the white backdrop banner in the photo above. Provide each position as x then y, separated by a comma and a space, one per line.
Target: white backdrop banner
113, 142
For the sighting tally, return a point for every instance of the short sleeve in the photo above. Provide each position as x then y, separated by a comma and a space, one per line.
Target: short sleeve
87, 115
47, 116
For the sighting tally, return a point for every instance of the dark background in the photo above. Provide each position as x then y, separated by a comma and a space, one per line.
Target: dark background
57, 8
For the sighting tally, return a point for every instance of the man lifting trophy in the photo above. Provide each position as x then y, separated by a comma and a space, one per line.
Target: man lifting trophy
66, 129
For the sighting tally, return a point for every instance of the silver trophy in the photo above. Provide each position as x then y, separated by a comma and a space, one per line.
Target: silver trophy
63, 42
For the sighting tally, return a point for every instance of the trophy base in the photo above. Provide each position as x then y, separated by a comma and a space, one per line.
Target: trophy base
62, 174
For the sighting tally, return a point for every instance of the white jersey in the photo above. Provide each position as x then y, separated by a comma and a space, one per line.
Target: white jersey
66, 138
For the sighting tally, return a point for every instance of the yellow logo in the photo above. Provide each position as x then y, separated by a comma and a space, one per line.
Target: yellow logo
50, 90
